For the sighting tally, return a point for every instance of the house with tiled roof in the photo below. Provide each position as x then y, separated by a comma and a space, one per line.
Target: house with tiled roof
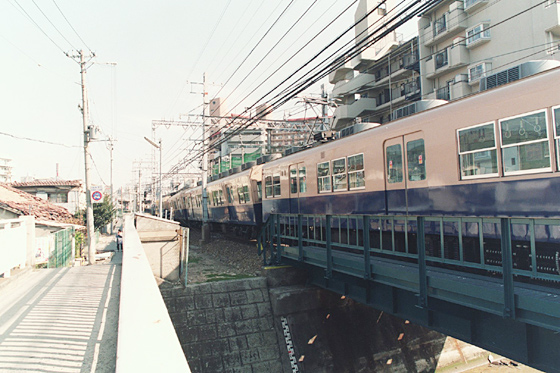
31, 230
65, 193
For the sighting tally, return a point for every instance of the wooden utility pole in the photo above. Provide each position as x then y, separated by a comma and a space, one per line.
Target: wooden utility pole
85, 113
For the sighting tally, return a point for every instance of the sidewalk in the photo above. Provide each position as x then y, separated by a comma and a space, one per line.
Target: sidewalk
62, 320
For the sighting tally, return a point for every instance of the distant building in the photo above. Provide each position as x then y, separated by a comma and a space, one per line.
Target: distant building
65, 193
5, 170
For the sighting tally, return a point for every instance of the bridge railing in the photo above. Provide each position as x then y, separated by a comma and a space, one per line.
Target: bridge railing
528, 249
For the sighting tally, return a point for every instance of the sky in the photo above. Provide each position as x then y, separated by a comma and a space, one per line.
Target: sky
149, 61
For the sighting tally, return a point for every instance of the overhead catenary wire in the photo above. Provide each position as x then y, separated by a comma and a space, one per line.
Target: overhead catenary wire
280, 98
37, 140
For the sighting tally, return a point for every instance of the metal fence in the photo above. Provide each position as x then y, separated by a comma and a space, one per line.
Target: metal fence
510, 247
61, 256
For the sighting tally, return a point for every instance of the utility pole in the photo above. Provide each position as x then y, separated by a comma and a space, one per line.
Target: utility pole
325, 110
111, 177
85, 112
205, 226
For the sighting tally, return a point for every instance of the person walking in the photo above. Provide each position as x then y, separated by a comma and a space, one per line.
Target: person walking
119, 240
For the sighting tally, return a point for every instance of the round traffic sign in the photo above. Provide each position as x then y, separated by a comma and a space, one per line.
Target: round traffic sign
96, 196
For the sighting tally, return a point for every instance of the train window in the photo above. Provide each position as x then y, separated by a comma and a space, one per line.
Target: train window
268, 186
302, 180
525, 143
416, 160
556, 112
276, 186
240, 195
356, 171
293, 180
477, 151
214, 198
339, 174
246, 193
394, 164
324, 177
220, 197
229, 194
259, 190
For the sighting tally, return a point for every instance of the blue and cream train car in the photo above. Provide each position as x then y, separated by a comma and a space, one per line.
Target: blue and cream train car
495, 153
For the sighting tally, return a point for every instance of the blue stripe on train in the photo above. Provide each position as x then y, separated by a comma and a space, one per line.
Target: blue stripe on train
521, 198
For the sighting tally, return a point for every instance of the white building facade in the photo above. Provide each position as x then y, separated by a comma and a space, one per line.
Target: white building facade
462, 42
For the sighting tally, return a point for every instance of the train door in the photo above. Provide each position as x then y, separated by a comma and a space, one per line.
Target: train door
294, 201
405, 173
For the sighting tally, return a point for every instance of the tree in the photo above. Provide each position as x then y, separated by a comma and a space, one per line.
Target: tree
103, 213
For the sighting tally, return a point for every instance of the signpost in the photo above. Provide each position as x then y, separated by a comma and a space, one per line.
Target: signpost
97, 194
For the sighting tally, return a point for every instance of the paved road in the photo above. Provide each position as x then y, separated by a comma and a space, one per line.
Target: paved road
62, 320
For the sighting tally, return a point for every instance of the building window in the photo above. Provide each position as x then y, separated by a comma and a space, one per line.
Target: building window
441, 59
339, 174
440, 25
416, 160
58, 197
394, 164
477, 71
356, 178
478, 34
525, 144
478, 152
324, 177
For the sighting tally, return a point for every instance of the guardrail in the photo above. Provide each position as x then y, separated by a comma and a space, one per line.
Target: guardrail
147, 341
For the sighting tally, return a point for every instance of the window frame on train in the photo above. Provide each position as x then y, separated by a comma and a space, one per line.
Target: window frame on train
356, 171
390, 166
506, 146
556, 129
268, 187
326, 177
302, 176
416, 161
480, 152
340, 185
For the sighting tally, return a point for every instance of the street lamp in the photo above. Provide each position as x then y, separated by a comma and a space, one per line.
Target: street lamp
160, 197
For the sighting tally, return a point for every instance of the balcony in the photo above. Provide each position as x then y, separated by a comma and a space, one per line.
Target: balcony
360, 82
375, 52
346, 113
447, 26
341, 72
447, 60
473, 5
551, 18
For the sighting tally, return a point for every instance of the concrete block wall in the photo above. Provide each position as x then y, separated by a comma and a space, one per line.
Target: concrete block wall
225, 326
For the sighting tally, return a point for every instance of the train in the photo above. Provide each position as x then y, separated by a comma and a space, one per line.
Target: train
495, 153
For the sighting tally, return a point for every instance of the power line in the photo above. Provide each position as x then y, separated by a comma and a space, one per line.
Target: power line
52, 24
37, 140
36, 24
72, 27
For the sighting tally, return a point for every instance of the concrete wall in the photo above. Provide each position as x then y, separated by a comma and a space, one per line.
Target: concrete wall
17, 244
162, 242
225, 326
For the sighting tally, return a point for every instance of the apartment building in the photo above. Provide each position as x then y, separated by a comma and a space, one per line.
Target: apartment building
5, 170
461, 43
382, 82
